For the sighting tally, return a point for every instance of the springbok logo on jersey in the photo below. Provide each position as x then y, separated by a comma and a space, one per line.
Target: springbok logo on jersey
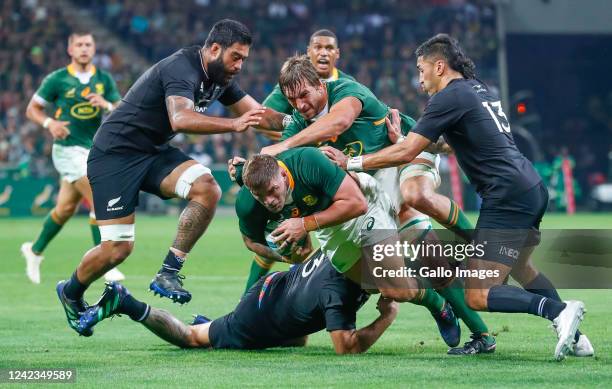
310, 200
70, 94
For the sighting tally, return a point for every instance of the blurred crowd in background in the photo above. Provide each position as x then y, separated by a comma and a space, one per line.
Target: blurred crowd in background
377, 40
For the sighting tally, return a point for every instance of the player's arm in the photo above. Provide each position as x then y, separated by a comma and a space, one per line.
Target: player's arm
339, 119
36, 113
263, 250
348, 203
184, 119
270, 119
359, 341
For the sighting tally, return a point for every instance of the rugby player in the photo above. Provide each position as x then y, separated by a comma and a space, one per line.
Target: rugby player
472, 121
131, 153
324, 53
280, 310
303, 191
80, 93
349, 117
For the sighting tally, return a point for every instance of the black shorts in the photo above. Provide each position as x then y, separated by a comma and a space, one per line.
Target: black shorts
509, 225
238, 329
117, 177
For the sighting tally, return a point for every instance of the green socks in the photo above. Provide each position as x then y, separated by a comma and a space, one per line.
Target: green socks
458, 223
95, 231
454, 295
259, 268
430, 299
50, 228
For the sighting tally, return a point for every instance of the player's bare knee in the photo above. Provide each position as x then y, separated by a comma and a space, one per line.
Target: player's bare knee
476, 299
192, 339
65, 211
205, 190
421, 200
399, 294
118, 251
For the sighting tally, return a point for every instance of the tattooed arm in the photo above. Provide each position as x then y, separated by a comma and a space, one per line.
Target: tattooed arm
172, 330
184, 119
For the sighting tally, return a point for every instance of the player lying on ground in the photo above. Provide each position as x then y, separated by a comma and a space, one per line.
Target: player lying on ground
303, 191
80, 94
471, 119
131, 153
348, 116
280, 310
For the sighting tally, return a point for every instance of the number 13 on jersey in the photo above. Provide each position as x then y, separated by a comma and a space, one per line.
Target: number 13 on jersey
499, 117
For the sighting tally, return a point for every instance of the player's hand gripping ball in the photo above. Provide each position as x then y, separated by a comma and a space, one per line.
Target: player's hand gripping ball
284, 250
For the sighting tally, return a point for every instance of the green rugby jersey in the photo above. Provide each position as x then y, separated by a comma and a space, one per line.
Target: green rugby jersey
278, 102
368, 133
314, 181
64, 90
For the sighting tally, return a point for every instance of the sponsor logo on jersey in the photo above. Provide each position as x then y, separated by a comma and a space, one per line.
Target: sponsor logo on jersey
70, 94
84, 111
370, 223
310, 200
508, 251
353, 149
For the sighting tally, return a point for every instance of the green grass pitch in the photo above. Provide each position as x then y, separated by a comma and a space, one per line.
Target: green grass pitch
34, 333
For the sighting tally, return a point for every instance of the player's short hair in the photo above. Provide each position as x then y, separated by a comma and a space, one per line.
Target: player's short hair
446, 47
296, 71
259, 170
324, 32
75, 34
226, 32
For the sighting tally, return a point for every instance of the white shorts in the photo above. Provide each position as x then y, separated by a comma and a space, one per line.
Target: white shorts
342, 243
70, 161
428, 169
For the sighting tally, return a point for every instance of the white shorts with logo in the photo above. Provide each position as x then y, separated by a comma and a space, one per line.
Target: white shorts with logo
342, 243
70, 161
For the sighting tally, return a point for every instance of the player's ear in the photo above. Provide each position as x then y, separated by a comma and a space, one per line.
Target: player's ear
215, 51
440, 67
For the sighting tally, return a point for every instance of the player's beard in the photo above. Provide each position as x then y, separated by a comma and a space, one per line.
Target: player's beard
217, 72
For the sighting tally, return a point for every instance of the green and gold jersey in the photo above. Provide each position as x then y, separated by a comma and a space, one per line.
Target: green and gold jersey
313, 182
278, 102
68, 93
368, 133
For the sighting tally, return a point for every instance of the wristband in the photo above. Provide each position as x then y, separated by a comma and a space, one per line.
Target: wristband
355, 164
110, 106
310, 223
47, 122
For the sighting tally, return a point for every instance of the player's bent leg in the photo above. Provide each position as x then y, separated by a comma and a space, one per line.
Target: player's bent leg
194, 182
82, 185
418, 183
